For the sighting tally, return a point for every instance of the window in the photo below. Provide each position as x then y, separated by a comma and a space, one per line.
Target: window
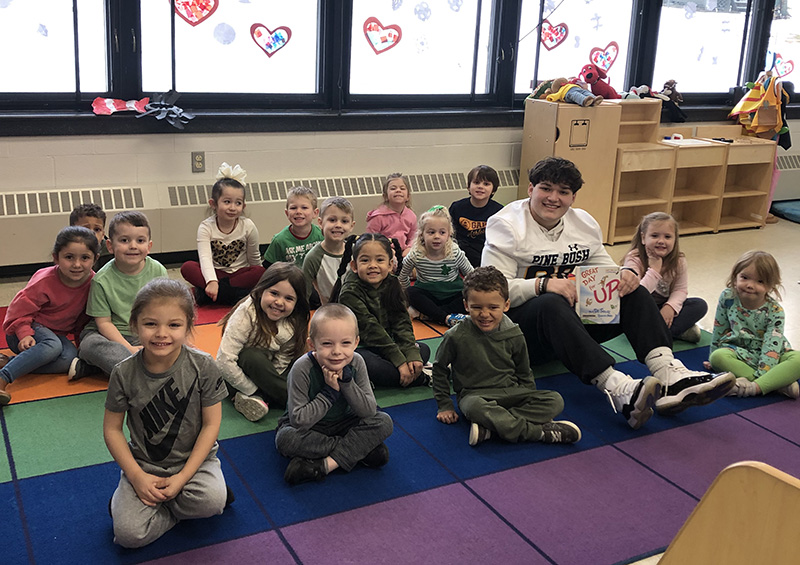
231, 47
420, 47
38, 46
700, 44
574, 33
784, 41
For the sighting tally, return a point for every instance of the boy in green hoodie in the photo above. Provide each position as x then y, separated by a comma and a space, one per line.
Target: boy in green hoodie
486, 358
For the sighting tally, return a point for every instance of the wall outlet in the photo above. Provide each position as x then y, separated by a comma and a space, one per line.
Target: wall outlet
198, 161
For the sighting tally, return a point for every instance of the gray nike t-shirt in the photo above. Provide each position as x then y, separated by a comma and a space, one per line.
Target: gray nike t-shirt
165, 409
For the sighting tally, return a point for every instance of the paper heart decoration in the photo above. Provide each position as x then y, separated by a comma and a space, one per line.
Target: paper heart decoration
380, 37
783, 68
270, 41
195, 11
604, 58
553, 35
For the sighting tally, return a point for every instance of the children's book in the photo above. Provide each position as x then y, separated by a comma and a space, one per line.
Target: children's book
598, 294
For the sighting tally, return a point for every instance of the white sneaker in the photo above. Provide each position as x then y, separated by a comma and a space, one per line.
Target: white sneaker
413, 313
745, 387
251, 407
684, 388
478, 434
634, 399
692, 335
792, 390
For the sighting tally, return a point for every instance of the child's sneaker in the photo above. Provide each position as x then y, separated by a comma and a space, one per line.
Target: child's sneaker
478, 434
560, 431
684, 388
792, 391
692, 335
376, 458
251, 407
413, 313
634, 399
302, 470
230, 498
452, 319
80, 368
745, 387
5, 397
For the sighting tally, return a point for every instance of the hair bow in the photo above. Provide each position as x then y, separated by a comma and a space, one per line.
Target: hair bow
437, 207
236, 172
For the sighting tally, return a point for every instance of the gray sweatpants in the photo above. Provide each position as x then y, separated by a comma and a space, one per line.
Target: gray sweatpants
347, 443
98, 350
136, 524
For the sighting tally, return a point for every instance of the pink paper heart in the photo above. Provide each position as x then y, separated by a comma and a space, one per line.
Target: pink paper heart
195, 12
268, 40
380, 37
604, 58
783, 68
553, 35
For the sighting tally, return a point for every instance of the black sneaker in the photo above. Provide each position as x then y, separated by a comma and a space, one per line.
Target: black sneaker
80, 368
230, 498
376, 458
691, 388
560, 431
478, 434
302, 470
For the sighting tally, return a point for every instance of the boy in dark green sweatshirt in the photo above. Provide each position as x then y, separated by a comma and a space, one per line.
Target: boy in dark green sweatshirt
486, 358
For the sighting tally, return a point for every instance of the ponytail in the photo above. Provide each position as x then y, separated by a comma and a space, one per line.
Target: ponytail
398, 255
347, 256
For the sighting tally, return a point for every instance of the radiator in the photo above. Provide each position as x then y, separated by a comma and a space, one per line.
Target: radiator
30, 220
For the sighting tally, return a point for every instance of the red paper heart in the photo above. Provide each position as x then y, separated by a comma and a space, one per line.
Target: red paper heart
553, 35
195, 12
783, 68
604, 58
270, 41
380, 37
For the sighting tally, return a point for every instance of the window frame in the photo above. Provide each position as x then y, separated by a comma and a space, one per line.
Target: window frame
333, 108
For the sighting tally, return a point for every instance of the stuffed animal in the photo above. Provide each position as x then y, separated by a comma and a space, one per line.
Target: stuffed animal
671, 92
594, 76
575, 94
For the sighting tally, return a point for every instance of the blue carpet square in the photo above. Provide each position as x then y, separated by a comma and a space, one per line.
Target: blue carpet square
14, 545
261, 467
449, 445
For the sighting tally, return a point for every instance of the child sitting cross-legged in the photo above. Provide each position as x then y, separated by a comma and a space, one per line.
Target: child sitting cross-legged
486, 358
331, 418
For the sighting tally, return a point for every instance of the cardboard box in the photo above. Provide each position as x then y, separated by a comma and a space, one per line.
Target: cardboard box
598, 294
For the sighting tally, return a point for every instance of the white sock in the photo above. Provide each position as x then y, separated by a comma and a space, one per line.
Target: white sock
658, 359
609, 379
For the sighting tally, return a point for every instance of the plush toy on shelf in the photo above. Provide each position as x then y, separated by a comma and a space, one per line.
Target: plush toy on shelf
563, 90
671, 98
595, 77
671, 92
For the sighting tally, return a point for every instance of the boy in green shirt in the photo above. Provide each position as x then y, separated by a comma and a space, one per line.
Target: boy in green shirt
107, 339
293, 242
486, 357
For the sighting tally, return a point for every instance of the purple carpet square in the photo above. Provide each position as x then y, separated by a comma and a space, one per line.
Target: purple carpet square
692, 456
596, 506
257, 549
442, 525
782, 418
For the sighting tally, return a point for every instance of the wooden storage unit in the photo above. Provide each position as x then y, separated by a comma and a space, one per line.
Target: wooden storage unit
642, 184
585, 136
745, 197
699, 180
639, 121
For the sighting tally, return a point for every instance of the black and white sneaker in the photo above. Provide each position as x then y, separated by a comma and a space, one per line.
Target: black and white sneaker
560, 431
79, 369
687, 388
634, 399
478, 434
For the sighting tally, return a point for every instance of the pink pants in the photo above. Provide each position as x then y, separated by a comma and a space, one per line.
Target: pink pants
246, 277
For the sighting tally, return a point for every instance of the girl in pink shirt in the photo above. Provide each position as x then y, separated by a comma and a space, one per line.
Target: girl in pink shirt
52, 305
656, 259
394, 218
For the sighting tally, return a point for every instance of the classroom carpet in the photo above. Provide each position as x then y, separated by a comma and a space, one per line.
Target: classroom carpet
616, 496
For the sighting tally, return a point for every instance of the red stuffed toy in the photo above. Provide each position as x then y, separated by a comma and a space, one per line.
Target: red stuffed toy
594, 75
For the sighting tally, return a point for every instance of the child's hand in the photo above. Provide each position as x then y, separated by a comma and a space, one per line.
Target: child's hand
331, 378
26, 343
668, 314
415, 367
148, 488
447, 416
172, 486
406, 376
134, 349
212, 290
654, 262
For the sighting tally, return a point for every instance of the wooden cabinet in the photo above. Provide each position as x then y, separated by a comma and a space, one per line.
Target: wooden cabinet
750, 164
639, 120
699, 179
585, 136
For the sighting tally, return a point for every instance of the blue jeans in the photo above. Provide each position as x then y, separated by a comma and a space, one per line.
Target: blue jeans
52, 353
